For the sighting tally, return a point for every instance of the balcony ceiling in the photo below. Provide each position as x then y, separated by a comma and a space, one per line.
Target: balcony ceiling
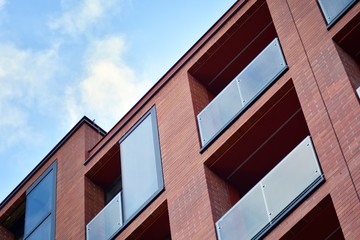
107, 168
263, 144
235, 49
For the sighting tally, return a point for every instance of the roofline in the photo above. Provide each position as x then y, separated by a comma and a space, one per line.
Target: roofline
83, 120
175, 68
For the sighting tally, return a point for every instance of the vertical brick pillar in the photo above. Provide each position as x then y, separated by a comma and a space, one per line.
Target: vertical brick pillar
328, 102
94, 200
219, 194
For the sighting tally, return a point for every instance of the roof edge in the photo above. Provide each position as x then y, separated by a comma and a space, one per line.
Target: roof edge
171, 72
83, 120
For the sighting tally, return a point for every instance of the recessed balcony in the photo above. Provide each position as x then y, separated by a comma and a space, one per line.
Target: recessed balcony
279, 191
241, 92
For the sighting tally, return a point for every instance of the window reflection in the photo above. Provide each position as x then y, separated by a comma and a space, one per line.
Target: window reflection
38, 203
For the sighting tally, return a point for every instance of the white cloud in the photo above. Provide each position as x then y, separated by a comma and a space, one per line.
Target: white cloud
81, 15
109, 87
25, 77
2, 4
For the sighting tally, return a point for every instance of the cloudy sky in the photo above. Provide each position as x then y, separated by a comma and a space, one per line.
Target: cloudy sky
63, 59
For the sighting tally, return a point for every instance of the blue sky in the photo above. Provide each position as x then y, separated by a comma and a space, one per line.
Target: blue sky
61, 60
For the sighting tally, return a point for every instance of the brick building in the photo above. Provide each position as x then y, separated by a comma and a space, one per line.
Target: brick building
253, 133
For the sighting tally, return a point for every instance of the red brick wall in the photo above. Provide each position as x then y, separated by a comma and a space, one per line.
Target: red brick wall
195, 196
94, 200
5, 234
329, 105
70, 209
219, 194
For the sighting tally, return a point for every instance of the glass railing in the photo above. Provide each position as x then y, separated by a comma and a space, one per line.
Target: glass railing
334, 9
275, 195
241, 91
104, 225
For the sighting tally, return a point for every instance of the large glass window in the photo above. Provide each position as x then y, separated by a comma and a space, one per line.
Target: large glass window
141, 167
133, 173
40, 206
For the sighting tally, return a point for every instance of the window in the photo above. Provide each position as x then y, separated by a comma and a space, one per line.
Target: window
140, 165
125, 180
40, 206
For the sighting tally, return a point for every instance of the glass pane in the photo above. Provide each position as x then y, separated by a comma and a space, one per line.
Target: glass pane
107, 222
264, 69
332, 9
219, 112
43, 231
261, 71
246, 218
140, 167
39, 202
294, 174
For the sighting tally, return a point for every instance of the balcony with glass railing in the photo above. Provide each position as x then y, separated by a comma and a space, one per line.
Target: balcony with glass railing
106, 223
241, 92
334, 9
277, 193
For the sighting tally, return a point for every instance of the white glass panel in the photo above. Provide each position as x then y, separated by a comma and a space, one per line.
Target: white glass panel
259, 73
246, 218
39, 202
294, 174
358, 91
219, 111
293, 177
107, 222
333, 8
140, 167
265, 68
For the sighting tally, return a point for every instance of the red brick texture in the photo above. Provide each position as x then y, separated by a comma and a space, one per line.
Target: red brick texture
323, 77
94, 199
5, 234
329, 104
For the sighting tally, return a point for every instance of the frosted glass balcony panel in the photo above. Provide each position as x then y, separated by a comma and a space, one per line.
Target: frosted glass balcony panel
333, 9
261, 71
107, 222
219, 112
294, 174
268, 201
241, 91
246, 218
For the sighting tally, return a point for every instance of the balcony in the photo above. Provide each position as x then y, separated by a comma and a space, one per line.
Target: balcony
334, 9
106, 223
241, 92
259, 210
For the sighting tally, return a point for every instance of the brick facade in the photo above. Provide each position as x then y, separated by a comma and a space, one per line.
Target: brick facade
321, 79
